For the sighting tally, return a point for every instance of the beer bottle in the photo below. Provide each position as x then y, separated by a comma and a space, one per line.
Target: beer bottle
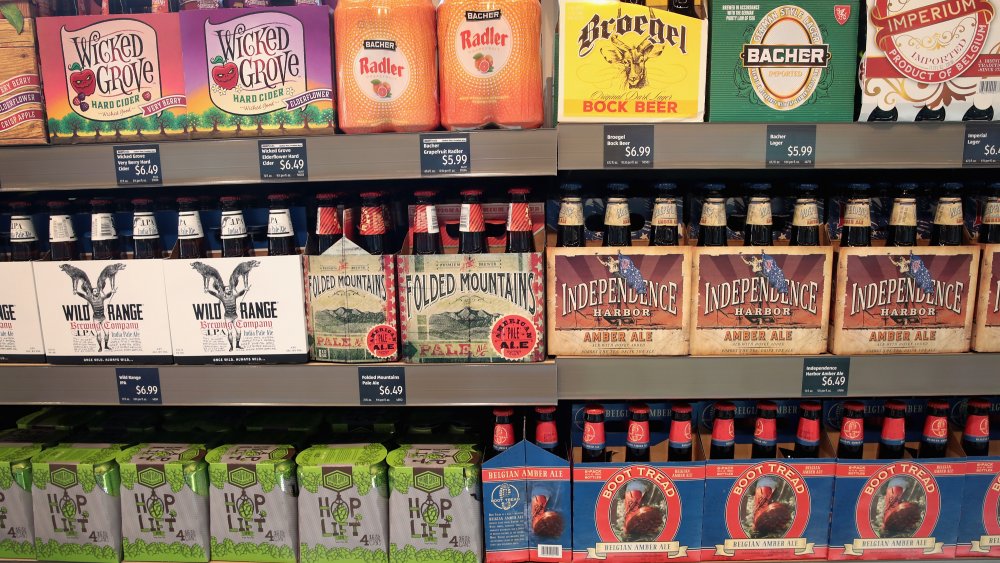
593, 434
683, 7
569, 233
145, 233
928, 114
765, 433
948, 225
665, 223
857, 219
879, 114
852, 431
989, 229
62, 237
974, 113
903, 219
617, 219
280, 233
637, 439
426, 233
546, 433
758, 230
328, 227
471, 225
976, 437
893, 441
504, 435
805, 217
520, 235
679, 447
103, 235
236, 241
371, 229
190, 235
712, 225
807, 434
723, 432
23, 237
934, 440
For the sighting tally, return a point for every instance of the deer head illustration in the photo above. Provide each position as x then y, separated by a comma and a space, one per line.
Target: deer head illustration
632, 59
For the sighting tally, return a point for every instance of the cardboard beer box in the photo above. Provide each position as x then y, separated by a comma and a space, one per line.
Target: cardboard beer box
20, 327
77, 513
22, 117
17, 525
164, 499
622, 63
103, 311
986, 331
254, 513
113, 78
343, 503
979, 527
775, 61
435, 503
259, 71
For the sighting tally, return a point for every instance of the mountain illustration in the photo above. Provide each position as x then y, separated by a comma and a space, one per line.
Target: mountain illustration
464, 323
336, 320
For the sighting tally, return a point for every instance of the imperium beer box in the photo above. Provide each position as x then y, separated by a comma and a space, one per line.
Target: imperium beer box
777, 61
103, 311
986, 332
22, 118
979, 529
628, 63
20, 327
113, 78
16, 513
930, 61
259, 71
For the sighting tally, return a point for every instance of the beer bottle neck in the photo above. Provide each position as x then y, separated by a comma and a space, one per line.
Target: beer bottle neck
759, 211
233, 225
328, 221
665, 212
616, 214
571, 212
372, 221
904, 212
144, 226
806, 213
425, 219
22, 229
948, 212
713, 212
189, 225
61, 229
471, 219
519, 216
991, 211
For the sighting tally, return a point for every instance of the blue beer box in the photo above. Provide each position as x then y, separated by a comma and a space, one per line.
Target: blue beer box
979, 528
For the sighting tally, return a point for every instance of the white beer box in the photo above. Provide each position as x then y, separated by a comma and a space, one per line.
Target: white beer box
103, 311
20, 328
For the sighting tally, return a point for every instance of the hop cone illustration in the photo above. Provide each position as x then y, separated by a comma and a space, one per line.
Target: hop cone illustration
773, 273
633, 277
920, 274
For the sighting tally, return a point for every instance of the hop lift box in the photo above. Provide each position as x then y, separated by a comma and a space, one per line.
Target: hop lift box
895, 509
626, 301
625, 511
16, 513
22, 118
20, 326
979, 528
473, 307
767, 509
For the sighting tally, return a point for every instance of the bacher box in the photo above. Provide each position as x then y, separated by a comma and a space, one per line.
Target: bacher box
986, 331
22, 119
17, 525
20, 327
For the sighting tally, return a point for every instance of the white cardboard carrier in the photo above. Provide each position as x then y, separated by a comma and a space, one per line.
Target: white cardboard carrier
20, 328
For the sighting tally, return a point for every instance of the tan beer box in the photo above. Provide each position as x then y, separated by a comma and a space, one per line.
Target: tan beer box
986, 332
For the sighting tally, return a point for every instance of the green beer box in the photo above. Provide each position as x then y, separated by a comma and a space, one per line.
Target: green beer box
17, 527
783, 61
164, 500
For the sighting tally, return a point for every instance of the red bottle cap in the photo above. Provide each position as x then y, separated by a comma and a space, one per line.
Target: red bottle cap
593, 409
470, 192
519, 191
683, 408
767, 406
979, 403
277, 197
365, 195
187, 199
810, 406
425, 193
725, 407
328, 196
229, 199
639, 408
937, 404
142, 201
895, 404
545, 410
503, 411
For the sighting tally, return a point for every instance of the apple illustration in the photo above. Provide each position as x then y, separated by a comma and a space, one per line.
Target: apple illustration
147, 95
224, 74
82, 80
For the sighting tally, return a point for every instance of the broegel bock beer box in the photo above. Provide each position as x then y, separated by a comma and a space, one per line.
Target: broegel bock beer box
103, 311
627, 63
22, 118
20, 327
979, 528
986, 332
17, 525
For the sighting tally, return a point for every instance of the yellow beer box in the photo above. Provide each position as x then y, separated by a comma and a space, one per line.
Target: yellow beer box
627, 63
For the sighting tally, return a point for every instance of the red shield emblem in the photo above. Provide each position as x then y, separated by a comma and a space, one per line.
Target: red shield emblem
842, 13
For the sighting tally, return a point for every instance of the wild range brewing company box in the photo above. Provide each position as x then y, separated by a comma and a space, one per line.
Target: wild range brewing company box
930, 60
979, 528
113, 78
237, 310
20, 327
77, 513
624, 511
527, 491
622, 63
767, 508
986, 331
763, 300
22, 118
343, 503
17, 525
435, 503
103, 311
776, 61
254, 514
896, 300
259, 71
164, 499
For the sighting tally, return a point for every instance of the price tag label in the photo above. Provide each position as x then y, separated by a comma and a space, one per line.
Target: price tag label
628, 146
825, 376
982, 145
137, 165
791, 146
283, 159
382, 385
138, 386
445, 153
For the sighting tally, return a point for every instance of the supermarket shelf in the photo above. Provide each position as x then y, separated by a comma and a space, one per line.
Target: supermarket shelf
336, 157
305, 385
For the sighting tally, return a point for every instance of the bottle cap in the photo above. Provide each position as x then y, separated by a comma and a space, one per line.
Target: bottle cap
371, 195
545, 410
573, 187
471, 193
810, 406
519, 191
593, 409
20, 205
952, 186
808, 187
58, 204
859, 187
937, 404
425, 193
229, 199
979, 403
187, 199
856, 406
895, 404
725, 406
142, 201
714, 187
760, 187
665, 187
908, 187
100, 202
277, 197
328, 196
767, 406
503, 411
617, 187
638, 408
682, 408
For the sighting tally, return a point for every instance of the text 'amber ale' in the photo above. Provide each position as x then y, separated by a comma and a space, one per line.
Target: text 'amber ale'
665, 224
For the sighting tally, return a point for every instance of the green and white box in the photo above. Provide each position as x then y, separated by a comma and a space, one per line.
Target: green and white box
783, 61
164, 499
78, 516
17, 527
434, 505
343, 504
254, 513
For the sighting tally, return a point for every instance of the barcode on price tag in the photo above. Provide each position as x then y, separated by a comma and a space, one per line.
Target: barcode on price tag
138, 386
138, 165
445, 153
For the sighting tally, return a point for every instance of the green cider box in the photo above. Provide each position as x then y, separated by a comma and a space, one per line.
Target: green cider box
164, 501
254, 515
343, 504
783, 61
17, 527
77, 513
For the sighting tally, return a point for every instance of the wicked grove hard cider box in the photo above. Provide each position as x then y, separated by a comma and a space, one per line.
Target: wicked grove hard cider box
113, 78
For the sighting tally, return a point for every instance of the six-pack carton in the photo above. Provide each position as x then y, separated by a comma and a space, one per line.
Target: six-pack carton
17, 525
20, 327
22, 118
979, 527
